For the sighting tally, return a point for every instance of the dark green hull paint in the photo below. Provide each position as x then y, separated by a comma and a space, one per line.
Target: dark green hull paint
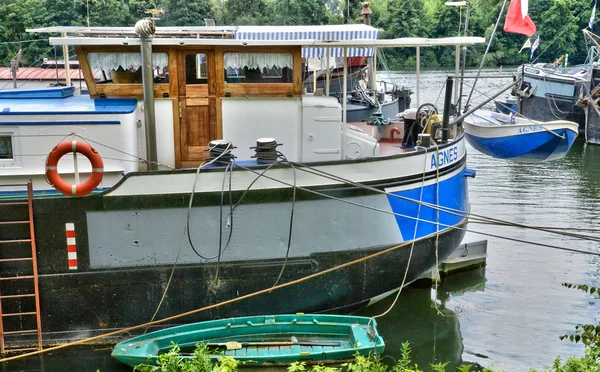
96, 301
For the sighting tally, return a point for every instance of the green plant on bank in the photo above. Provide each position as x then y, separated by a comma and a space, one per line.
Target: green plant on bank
588, 335
172, 361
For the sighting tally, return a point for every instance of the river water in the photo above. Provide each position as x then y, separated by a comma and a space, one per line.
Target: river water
508, 315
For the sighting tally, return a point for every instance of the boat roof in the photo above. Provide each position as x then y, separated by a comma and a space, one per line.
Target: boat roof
324, 36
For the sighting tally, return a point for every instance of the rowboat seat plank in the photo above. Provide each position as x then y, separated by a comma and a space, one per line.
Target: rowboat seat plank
262, 352
295, 349
274, 350
251, 351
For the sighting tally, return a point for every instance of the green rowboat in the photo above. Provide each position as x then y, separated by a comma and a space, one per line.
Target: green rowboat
261, 340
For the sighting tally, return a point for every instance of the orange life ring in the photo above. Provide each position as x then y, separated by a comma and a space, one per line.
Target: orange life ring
66, 188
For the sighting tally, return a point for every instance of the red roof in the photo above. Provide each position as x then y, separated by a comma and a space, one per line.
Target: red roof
38, 73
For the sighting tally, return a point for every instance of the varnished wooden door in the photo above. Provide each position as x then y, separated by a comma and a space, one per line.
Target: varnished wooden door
197, 100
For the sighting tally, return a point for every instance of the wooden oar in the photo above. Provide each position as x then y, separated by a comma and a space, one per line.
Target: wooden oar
235, 345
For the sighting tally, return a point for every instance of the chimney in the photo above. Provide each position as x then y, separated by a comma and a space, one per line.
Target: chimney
366, 12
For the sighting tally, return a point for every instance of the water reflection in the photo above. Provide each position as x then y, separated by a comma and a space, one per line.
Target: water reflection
428, 324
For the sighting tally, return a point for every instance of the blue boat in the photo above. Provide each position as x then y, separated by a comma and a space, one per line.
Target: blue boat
261, 340
507, 107
520, 139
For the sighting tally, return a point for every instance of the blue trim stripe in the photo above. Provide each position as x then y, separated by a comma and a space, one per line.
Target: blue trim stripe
62, 122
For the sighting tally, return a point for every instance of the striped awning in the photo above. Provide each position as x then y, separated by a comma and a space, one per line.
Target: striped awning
324, 33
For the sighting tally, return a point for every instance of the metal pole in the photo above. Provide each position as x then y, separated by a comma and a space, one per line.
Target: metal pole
75, 164
314, 74
145, 29
328, 50
418, 76
66, 58
447, 103
344, 103
469, 112
375, 70
485, 54
464, 56
456, 71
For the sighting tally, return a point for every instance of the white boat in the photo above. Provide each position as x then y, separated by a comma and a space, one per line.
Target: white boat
222, 228
507, 137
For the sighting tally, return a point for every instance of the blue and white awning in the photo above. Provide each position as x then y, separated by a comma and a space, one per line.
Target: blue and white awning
322, 33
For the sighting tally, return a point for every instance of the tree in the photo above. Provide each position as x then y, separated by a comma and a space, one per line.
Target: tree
405, 19
300, 12
243, 12
18, 16
187, 13
102, 13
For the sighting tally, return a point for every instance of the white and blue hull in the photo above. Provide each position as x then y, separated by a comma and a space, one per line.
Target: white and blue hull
524, 140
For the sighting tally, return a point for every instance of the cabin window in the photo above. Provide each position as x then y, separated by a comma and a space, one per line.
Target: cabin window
257, 68
6, 147
196, 71
126, 68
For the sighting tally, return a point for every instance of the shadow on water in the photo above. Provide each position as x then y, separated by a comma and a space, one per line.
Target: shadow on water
434, 334
75, 359
431, 328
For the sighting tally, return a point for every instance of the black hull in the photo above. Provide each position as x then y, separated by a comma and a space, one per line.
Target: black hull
357, 113
548, 109
78, 305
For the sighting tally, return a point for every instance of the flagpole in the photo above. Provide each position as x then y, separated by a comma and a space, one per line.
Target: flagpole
485, 55
464, 56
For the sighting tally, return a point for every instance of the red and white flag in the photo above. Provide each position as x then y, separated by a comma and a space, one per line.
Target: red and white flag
517, 19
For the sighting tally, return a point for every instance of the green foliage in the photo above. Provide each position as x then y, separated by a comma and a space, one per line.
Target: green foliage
173, 362
186, 13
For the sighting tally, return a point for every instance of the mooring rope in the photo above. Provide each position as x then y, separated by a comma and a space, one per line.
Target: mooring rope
213, 306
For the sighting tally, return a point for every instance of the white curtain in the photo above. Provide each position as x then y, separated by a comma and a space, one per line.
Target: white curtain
257, 60
128, 61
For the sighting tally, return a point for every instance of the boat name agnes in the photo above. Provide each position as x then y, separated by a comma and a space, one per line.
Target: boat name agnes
445, 157
531, 128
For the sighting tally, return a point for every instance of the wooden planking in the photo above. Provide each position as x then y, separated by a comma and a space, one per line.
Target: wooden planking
129, 90
219, 72
219, 117
174, 91
197, 90
196, 101
212, 76
87, 70
196, 125
213, 129
260, 90
297, 74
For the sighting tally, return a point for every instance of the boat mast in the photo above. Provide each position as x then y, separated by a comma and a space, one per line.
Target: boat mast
14, 67
484, 55
464, 53
67, 63
366, 12
145, 29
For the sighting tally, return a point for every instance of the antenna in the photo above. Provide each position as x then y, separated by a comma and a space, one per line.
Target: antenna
88, 13
155, 13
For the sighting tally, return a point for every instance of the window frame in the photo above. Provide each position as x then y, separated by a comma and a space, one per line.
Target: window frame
15, 161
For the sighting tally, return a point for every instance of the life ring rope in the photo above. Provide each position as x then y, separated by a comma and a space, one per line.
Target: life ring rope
59, 183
